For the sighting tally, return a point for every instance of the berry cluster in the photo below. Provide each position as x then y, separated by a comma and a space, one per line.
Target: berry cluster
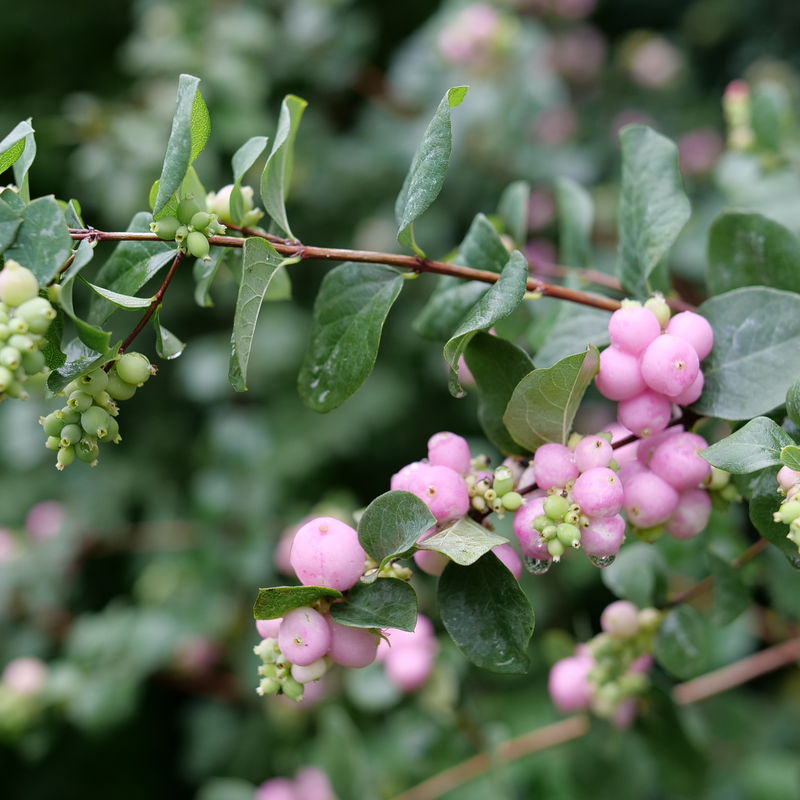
608, 674
219, 203
190, 228
24, 319
310, 783
89, 417
789, 512
647, 369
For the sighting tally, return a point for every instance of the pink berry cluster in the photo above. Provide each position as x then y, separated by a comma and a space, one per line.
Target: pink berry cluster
408, 657
653, 362
609, 673
310, 783
789, 511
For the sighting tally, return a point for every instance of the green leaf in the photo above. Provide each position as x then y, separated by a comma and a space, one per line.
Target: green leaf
754, 446
790, 457
43, 243
131, 266
793, 402
277, 175
544, 403
501, 299
653, 207
750, 250
23, 165
426, 176
391, 524
639, 574
73, 213
204, 273
280, 288
243, 159
260, 260
120, 300
13, 144
83, 254
464, 542
497, 366
274, 602
168, 345
513, 210
574, 328
12, 198
482, 247
81, 361
681, 645
189, 127
51, 349
764, 502
10, 222
346, 326
387, 603
731, 596
575, 221
756, 354
487, 615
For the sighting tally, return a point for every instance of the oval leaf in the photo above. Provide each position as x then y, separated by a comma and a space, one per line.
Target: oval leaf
13, 144
386, 603
276, 601
755, 446
513, 210
464, 542
575, 220
638, 574
793, 402
790, 457
680, 643
731, 596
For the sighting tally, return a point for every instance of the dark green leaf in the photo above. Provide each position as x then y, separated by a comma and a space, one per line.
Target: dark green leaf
260, 260
756, 354
638, 574
497, 366
51, 349
23, 165
81, 360
482, 247
764, 502
43, 243
575, 221
464, 542
386, 603
751, 250
242, 160
501, 299
274, 602
120, 300
13, 144
653, 206
513, 210
544, 403
790, 457
426, 176
391, 525
754, 446
681, 645
183, 140
348, 318
10, 222
731, 596
487, 615
574, 328
91, 335
793, 402
168, 345
277, 175
204, 273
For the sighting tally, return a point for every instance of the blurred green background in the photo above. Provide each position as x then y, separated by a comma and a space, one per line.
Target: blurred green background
137, 587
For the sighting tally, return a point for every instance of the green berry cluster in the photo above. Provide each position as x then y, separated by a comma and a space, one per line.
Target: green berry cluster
789, 513
562, 521
24, 320
89, 417
494, 493
276, 671
190, 228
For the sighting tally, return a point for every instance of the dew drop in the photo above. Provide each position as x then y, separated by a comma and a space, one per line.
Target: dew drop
537, 566
602, 561
794, 561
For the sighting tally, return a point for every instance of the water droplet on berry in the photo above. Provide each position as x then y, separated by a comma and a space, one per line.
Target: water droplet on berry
537, 566
602, 561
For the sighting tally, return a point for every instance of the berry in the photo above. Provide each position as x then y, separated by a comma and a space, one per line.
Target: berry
598, 492
79, 401
691, 515
71, 434
200, 220
593, 451
409, 668
268, 628
93, 382
311, 783
112, 432
659, 307
620, 376
187, 208
66, 455
695, 330
310, 672
197, 244
6, 378
326, 552
526, 531
568, 683
649, 500
692, 394
503, 481
86, 450
304, 636
508, 555
276, 789
443, 490
787, 478
95, 421
601, 540
670, 365
165, 228
352, 647
134, 368
25, 676
620, 619
10, 358
569, 535
431, 562
17, 284
555, 507
512, 501
33, 363
52, 425
633, 328
119, 389
22, 343
677, 461
447, 449
554, 465
645, 414
401, 479
646, 447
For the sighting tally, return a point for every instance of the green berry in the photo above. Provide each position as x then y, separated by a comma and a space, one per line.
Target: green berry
18, 325
197, 245
181, 234
293, 689
134, 368
10, 358
6, 378
541, 522
112, 432
550, 532
512, 500
200, 220
17, 284
79, 401
119, 389
788, 512
555, 507
36, 309
569, 535
93, 382
22, 343
33, 363
52, 443
51, 424
555, 548
71, 434
4, 331
71, 387
659, 307
17, 390
649, 535
95, 421
268, 686
69, 416
187, 208
165, 228
103, 399
87, 450
66, 455
54, 293
718, 479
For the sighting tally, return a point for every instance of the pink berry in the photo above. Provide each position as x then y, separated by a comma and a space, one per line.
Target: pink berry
276, 789
352, 647
692, 394
693, 329
45, 520
431, 562
326, 552
670, 365
649, 500
311, 783
603, 538
620, 619
691, 515
422, 635
304, 636
676, 461
25, 676
598, 492
400, 480
629, 469
443, 490
787, 478
633, 328
554, 465
449, 450
568, 684
508, 555
528, 536
620, 376
646, 447
593, 451
645, 414
409, 668
268, 628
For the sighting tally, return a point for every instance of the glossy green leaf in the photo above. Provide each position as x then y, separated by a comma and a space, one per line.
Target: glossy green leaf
653, 206
168, 345
751, 250
386, 603
10, 222
639, 574
277, 175
544, 403
756, 354
43, 243
793, 402
731, 597
487, 614
575, 221
187, 135
260, 260
274, 602
51, 348
243, 159
80, 361
73, 214
497, 366
754, 446
681, 645
501, 299
346, 327
513, 210
83, 254
790, 457
391, 525
464, 542
120, 300
425, 178
13, 144
574, 328
204, 273
23, 164
764, 502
